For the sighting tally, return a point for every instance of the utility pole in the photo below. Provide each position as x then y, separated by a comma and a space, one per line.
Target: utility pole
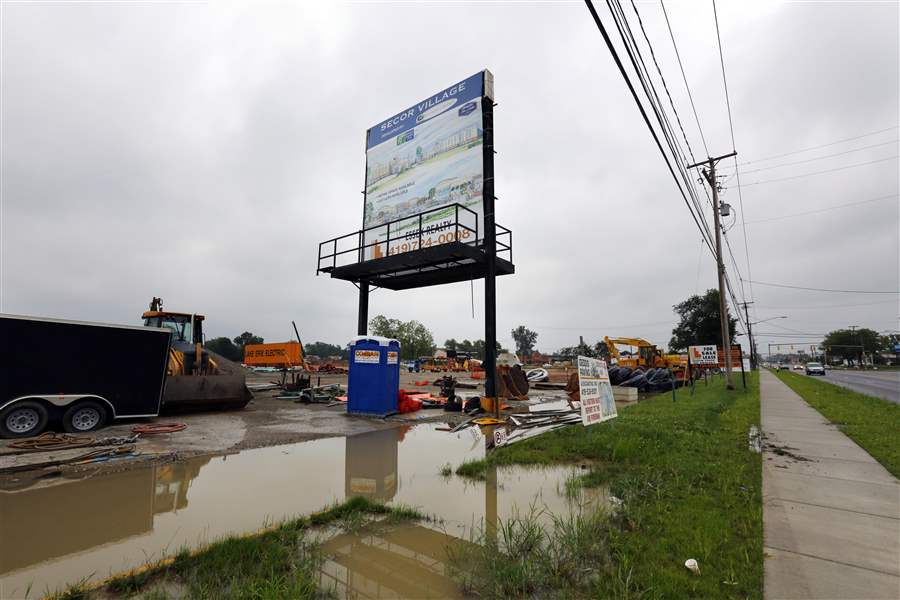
750, 335
710, 174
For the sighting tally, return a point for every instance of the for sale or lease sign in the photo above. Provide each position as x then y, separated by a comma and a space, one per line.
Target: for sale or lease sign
703, 355
597, 402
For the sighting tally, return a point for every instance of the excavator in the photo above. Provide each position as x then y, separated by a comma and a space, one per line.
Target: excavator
648, 356
196, 377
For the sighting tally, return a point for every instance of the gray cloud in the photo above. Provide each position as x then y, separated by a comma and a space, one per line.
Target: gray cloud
201, 152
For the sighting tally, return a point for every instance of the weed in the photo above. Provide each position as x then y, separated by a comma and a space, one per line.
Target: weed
689, 488
447, 470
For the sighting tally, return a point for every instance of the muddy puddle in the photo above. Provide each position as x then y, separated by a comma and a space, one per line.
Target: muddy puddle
58, 531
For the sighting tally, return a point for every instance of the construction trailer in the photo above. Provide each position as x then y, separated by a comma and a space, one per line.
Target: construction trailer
77, 374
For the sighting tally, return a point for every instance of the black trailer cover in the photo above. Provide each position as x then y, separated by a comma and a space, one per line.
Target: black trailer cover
62, 361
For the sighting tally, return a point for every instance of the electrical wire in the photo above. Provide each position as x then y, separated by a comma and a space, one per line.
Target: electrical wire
734, 149
808, 160
663, 79
862, 164
820, 210
812, 289
643, 112
894, 302
850, 139
684, 77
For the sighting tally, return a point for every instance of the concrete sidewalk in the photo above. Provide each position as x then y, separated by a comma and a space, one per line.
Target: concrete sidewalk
831, 513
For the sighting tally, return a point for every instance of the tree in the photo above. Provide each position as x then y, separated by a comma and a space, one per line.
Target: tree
845, 343
247, 338
226, 348
451, 344
581, 349
524, 339
415, 339
699, 322
324, 350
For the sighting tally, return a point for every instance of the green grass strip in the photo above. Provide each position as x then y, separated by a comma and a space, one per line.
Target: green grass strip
871, 422
689, 485
279, 562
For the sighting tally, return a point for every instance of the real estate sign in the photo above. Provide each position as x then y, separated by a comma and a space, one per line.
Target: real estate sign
595, 390
429, 156
703, 355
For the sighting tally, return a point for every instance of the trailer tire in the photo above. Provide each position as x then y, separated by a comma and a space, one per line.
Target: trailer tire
23, 419
84, 416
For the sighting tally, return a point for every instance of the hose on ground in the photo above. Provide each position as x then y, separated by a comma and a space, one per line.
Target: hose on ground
52, 441
154, 428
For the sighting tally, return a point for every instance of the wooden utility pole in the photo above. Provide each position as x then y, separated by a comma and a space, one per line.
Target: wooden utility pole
710, 174
753, 356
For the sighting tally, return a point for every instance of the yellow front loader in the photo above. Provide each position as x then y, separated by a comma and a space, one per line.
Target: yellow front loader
196, 377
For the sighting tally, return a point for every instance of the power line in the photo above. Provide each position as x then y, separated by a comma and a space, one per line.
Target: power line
663, 79
850, 139
684, 77
808, 160
812, 289
871, 162
894, 302
734, 147
643, 112
820, 210
636, 58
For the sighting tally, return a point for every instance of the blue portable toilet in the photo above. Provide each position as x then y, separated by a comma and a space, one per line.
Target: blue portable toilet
373, 385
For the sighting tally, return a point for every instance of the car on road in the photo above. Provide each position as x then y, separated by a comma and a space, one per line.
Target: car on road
783, 367
798, 367
814, 368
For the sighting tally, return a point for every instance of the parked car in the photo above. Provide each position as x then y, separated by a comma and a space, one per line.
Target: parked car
814, 368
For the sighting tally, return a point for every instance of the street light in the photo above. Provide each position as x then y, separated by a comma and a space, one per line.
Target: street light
750, 336
769, 319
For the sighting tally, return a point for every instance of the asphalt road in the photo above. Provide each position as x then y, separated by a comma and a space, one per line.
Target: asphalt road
883, 384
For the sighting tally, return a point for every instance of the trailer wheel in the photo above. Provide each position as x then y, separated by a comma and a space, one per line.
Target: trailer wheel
23, 419
84, 416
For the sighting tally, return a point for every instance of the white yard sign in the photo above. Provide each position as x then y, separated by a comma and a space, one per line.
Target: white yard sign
703, 355
597, 402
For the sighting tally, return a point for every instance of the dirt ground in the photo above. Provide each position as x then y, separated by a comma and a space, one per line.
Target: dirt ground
265, 421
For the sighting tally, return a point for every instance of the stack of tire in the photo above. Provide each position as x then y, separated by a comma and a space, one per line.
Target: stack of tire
651, 380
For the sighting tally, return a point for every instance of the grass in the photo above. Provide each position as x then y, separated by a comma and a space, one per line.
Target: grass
689, 488
277, 563
871, 422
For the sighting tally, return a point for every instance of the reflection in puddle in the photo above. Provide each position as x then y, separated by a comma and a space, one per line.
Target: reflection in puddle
60, 531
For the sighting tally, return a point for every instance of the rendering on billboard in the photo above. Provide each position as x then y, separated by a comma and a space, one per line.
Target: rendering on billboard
429, 156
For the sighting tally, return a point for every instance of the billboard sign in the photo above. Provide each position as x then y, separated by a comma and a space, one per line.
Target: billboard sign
595, 391
703, 355
429, 156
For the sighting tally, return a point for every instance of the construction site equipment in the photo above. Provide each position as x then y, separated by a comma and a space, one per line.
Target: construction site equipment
80, 374
648, 355
197, 377
281, 355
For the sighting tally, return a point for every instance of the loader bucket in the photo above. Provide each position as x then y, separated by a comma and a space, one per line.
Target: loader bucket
227, 389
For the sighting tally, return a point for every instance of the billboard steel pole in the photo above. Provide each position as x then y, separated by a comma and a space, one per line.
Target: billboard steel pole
362, 325
490, 253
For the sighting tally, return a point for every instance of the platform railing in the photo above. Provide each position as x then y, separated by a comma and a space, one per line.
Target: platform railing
333, 250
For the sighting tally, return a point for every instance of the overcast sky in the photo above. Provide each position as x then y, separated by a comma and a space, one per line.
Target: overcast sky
201, 151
